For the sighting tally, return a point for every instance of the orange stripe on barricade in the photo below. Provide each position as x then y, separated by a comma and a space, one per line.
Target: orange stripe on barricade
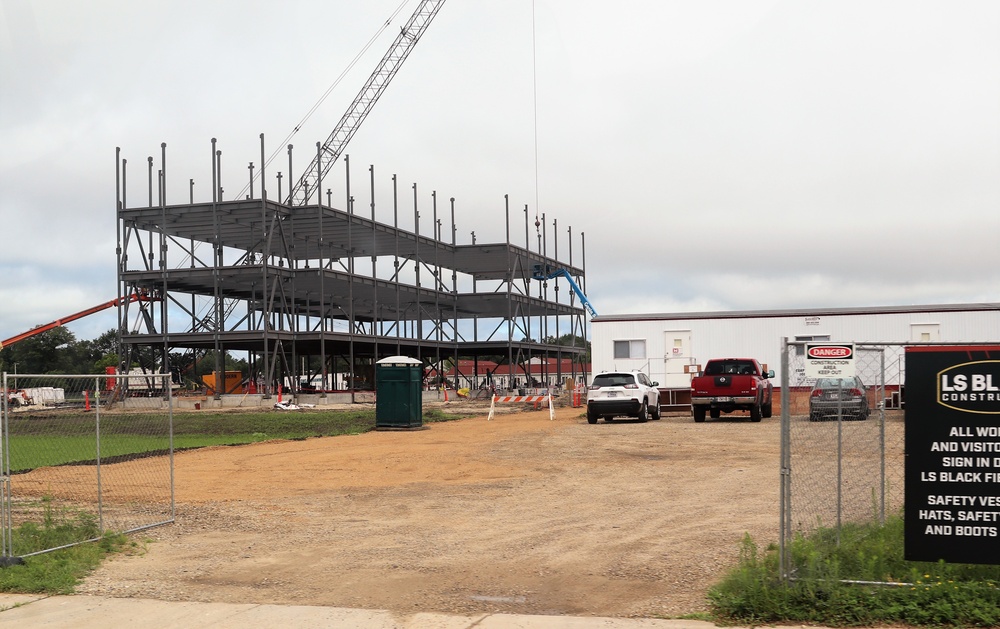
522, 398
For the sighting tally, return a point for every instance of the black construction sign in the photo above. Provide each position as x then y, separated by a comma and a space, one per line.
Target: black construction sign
953, 454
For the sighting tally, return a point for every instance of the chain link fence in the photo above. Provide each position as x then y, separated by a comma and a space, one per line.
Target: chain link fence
83, 456
840, 462
842, 442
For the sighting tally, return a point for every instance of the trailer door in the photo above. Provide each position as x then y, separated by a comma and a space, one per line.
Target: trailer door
677, 357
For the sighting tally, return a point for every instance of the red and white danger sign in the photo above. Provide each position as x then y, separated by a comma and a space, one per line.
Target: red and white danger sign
829, 360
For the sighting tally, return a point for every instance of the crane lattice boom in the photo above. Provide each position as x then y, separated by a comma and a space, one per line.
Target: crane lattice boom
330, 150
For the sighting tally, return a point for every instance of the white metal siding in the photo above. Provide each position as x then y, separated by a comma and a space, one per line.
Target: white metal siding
761, 337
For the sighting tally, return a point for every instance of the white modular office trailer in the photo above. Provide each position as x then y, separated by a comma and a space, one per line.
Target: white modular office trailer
669, 346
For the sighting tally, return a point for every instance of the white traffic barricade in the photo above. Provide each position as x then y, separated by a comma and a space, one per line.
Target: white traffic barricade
502, 399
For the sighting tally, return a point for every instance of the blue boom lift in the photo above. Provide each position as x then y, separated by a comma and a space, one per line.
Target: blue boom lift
538, 273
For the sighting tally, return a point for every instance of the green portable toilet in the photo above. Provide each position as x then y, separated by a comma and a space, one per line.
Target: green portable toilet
398, 396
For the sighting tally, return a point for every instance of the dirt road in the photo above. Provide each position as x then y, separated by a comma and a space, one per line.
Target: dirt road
520, 514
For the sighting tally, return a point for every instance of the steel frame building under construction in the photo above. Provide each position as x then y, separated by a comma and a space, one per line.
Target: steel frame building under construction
311, 292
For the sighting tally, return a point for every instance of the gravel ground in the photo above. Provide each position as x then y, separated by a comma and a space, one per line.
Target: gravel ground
520, 515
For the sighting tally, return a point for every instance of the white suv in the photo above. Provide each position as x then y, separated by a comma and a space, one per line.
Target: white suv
617, 393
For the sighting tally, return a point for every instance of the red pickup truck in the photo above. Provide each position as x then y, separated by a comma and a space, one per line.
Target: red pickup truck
732, 384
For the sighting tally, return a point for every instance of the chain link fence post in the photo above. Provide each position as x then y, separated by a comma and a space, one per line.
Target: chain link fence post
784, 560
834, 459
78, 464
6, 539
846, 466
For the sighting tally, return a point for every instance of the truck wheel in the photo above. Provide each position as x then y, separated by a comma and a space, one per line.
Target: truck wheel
699, 414
767, 410
715, 413
755, 413
643, 415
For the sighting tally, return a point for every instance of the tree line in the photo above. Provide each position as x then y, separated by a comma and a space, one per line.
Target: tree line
58, 351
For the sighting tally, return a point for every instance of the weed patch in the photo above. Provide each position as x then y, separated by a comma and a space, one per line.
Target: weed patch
862, 581
59, 571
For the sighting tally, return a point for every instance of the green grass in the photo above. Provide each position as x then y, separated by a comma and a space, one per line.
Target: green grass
924, 594
65, 438
48, 439
936, 595
58, 572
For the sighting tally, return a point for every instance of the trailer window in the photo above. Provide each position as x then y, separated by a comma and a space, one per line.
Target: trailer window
630, 349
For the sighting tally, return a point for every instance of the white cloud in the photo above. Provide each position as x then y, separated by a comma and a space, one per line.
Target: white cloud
851, 150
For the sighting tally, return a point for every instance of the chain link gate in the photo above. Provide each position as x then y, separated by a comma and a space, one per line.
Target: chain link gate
842, 470
846, 466
83, 456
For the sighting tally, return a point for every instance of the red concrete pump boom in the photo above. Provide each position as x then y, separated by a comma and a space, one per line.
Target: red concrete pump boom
73, 317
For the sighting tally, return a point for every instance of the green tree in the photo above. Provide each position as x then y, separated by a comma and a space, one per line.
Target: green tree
104, 350
572, 340
106, 343
191, 366
42, 354
57, 351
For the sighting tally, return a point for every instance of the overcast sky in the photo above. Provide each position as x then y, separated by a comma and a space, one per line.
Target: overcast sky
718, 155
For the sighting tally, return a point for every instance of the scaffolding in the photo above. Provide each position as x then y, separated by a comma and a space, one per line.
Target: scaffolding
313, 292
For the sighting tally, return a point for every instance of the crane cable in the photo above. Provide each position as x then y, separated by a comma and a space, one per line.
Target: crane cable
534, 97
319, 102
313, 110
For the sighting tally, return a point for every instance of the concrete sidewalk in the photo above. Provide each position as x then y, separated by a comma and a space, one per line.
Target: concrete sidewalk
97, 612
